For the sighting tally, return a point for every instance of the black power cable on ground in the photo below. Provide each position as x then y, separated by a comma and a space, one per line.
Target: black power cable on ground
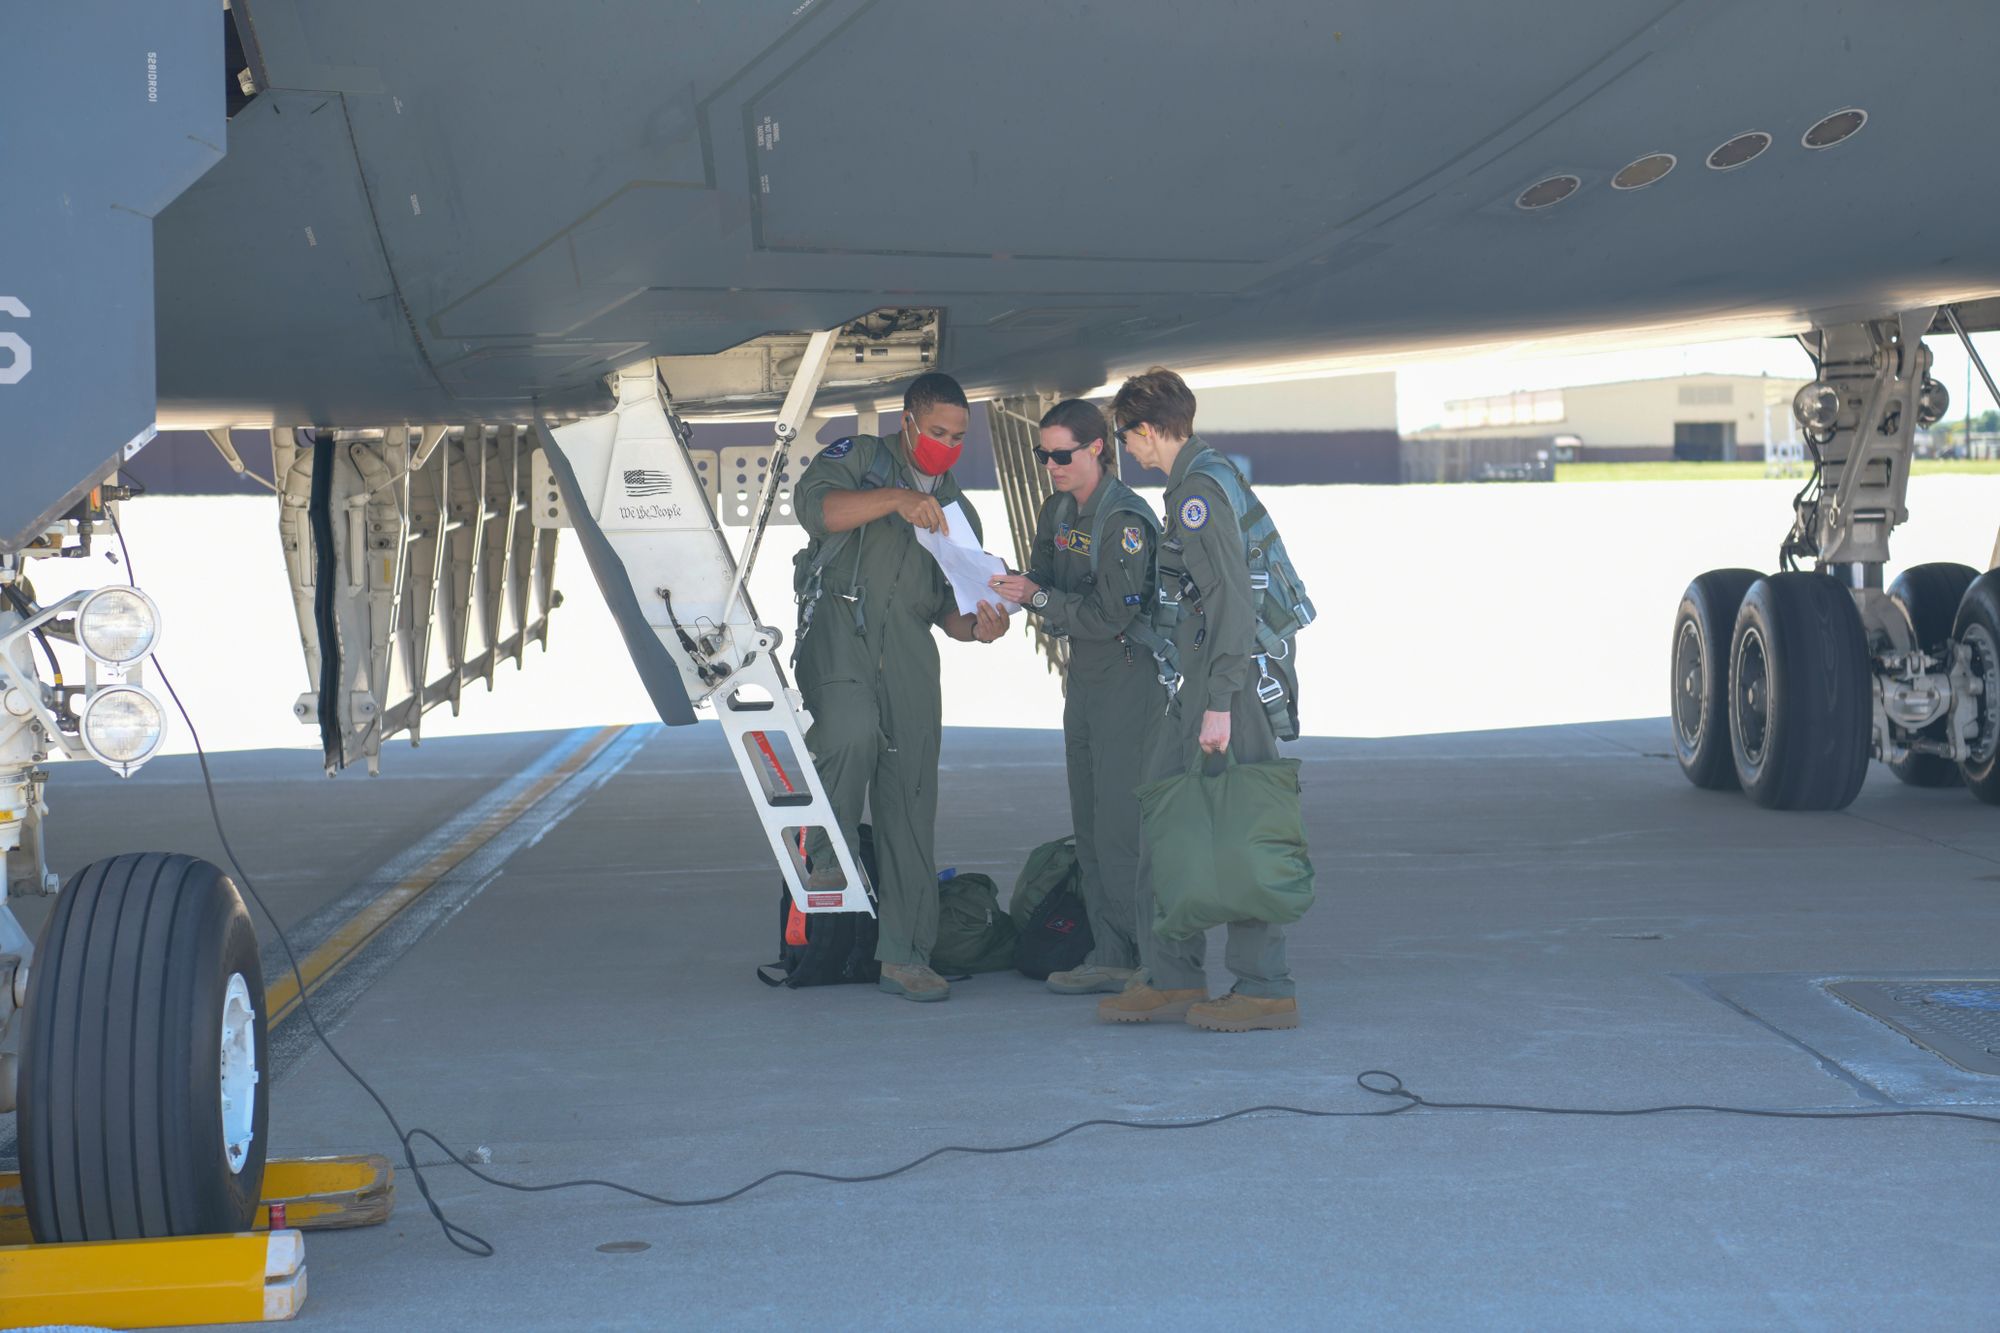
1380, 1082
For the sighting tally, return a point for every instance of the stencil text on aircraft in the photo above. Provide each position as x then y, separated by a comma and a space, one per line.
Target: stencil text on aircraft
20, 360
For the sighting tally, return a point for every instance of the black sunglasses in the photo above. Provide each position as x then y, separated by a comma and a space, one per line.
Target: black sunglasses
1060, 457
1119, 433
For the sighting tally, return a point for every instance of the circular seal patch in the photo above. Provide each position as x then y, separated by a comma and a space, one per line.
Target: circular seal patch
1194, 513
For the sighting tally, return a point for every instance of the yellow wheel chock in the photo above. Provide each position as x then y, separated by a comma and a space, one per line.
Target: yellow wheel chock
249, 1277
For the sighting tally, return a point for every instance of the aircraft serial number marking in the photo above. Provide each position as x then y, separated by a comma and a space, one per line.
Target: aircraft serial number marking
22, 360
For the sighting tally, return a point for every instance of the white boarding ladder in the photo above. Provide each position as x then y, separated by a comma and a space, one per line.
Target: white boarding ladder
655, 515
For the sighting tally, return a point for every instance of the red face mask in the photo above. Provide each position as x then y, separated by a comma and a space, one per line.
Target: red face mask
932, 456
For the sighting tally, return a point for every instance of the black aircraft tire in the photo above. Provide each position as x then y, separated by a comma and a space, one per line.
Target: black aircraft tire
1930, 595
1800, 695
1699, 666
122, 1131
1977, 626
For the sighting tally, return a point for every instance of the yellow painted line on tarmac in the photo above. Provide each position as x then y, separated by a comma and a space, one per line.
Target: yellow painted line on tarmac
281, 996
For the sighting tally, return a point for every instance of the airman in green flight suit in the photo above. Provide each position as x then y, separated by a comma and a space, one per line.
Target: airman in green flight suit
1090, 578
1203, 559
867, 664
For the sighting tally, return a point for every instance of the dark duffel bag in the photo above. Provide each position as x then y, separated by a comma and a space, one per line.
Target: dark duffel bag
974, 934
1057, 937
826, 948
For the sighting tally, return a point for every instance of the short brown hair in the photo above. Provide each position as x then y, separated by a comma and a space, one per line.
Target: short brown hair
1084, 423
1159, 398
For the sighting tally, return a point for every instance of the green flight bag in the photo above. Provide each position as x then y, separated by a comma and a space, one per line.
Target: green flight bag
1049, 867
974, 933
1227, 846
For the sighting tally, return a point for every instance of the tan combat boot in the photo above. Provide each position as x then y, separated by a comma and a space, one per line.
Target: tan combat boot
1244, 1013
1090, 980
913, 982
1140, 1003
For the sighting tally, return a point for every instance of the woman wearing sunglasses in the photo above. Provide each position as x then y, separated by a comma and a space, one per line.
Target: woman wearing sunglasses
1090, 578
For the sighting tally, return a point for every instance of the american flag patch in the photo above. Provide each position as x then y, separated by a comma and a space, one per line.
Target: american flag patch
639, 482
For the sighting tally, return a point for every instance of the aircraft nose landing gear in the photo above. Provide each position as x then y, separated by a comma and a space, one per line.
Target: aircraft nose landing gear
142, 1112
139, 1091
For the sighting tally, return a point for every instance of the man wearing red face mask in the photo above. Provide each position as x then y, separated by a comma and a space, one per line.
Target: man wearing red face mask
867, 664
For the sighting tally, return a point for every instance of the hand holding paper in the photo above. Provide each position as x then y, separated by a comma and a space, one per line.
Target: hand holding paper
966, 566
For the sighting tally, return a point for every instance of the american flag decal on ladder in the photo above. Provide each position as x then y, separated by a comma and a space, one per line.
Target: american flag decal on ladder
640, 482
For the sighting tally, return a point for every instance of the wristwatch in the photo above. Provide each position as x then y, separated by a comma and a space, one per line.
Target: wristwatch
1040, 599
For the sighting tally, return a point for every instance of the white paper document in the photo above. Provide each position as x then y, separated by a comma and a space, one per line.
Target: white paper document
965, 565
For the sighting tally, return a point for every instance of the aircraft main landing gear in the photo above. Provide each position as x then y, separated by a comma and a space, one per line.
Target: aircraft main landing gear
1786, 684
1798, 694
1702, 634
1930, 595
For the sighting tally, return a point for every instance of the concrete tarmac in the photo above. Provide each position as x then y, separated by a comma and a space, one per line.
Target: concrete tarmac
1547, 916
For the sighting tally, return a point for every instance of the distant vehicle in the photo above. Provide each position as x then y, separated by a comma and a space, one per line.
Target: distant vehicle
1540, 467
1785, 458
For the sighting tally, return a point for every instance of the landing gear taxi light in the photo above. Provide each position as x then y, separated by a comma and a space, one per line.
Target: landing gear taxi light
1817, 406
118, 625
122, 726
116, 722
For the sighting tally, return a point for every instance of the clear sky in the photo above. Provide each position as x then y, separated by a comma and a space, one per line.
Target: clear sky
1423, 386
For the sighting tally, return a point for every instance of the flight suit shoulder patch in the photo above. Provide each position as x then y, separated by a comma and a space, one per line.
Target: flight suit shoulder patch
840, 448
1132, 541
1194, 513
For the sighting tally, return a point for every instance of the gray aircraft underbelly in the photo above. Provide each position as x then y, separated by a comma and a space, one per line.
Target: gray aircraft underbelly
462, 208
465, 211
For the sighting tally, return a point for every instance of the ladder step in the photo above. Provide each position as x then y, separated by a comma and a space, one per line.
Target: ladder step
779, 786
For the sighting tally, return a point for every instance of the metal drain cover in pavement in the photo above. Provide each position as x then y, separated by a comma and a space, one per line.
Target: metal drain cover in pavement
1959, 1020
